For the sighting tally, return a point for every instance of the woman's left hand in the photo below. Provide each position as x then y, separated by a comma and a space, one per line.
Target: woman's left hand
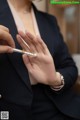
41, 67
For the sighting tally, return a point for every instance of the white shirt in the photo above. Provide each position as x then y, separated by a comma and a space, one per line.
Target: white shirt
20, 25
18, 21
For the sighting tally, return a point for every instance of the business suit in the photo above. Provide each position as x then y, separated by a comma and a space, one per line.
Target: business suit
14, 79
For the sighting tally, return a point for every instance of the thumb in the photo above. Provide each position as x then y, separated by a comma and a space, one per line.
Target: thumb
5, 49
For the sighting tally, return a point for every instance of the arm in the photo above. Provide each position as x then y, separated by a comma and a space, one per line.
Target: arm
65, 64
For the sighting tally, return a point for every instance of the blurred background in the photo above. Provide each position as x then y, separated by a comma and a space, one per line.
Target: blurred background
68, 17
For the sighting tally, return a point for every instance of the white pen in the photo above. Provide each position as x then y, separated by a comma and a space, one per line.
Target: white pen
22, 51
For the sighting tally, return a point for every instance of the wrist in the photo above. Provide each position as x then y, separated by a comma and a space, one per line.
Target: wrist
60, 82
57, 80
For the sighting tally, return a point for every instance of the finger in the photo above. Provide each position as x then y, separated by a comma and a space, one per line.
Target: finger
24, 46
28, 40
31, 43
5, 49
24, 42
27, 62
34, 42
7, 37
4, 28
44, 46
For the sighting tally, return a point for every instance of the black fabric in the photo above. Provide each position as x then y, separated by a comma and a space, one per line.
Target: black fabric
42, 108
16, 112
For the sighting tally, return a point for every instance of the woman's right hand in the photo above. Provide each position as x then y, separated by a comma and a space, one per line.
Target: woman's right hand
6, 40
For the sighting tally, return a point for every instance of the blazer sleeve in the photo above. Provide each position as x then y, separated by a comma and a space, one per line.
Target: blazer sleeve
63, 60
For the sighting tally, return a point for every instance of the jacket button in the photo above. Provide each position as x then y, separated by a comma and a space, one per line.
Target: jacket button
0, 96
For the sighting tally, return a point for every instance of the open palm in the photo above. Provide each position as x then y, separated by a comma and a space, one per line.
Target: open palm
41, 67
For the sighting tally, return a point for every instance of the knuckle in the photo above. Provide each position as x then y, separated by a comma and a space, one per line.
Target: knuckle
7, 48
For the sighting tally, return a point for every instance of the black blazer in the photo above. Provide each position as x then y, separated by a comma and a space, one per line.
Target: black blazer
14, 80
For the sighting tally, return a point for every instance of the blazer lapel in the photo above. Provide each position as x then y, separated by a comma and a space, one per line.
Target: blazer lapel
7, 20
46, 29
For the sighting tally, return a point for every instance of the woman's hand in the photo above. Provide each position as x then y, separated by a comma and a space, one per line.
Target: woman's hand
41, 68
6, 40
